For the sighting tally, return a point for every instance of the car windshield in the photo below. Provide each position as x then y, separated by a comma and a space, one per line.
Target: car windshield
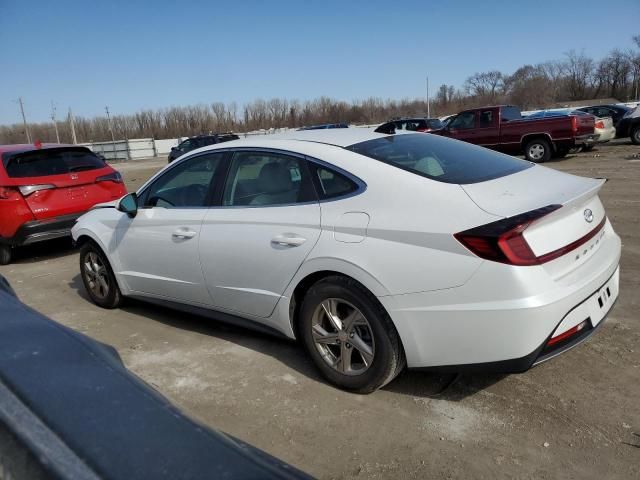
51, 161
440, 158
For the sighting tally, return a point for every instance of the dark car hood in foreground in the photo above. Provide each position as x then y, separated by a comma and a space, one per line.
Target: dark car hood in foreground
70, 409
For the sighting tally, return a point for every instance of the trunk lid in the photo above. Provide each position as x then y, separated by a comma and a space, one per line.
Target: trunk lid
72, 193
581, 213
585, 124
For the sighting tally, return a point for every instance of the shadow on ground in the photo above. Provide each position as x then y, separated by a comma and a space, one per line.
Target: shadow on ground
41, 251
291, 353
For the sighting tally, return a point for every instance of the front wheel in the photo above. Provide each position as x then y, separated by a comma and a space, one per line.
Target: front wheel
350, 336
538, 150
635, 135
98, 278
5, 255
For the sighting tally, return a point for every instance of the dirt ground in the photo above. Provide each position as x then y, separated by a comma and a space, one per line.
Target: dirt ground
577, 416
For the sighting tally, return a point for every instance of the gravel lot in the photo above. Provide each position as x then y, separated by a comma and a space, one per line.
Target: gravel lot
577, 416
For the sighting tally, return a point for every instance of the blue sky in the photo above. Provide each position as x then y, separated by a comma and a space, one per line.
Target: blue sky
133, 55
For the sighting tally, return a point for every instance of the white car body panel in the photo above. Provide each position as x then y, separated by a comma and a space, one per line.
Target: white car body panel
158, 253
245, 257
394, 236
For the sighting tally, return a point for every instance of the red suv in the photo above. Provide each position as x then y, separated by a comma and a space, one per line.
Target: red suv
45, 188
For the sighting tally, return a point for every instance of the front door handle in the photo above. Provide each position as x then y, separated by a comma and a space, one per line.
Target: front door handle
183, 233
288, 239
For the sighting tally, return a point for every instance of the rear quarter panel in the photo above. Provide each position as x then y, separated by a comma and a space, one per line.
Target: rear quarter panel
407, 244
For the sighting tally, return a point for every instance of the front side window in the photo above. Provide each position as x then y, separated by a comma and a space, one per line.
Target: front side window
52, 161
440, 159
266, 179
187, 185
187, 145
464, 121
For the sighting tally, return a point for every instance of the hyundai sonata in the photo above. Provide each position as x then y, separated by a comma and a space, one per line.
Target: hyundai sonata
376, 251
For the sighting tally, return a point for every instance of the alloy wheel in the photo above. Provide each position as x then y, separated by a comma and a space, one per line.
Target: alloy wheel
536, 151
343, 337
96, 275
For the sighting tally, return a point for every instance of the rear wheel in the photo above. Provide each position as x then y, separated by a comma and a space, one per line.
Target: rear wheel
98, 278
5, 254
635, 135
350, 336
538, 150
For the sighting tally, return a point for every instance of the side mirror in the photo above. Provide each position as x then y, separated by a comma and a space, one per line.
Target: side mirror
128, 204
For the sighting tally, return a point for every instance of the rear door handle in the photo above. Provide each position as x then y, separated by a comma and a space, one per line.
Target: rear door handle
288, 239
183, 233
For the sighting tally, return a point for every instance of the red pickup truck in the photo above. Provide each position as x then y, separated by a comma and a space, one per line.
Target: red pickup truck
503, 128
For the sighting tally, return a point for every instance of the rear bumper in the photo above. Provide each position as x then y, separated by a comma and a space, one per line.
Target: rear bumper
40, 230
606, 135
543, 352
587, 139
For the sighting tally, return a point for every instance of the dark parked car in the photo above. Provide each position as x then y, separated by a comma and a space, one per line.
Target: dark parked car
69, 409
324, 126
417, 124
625, 119
199, 141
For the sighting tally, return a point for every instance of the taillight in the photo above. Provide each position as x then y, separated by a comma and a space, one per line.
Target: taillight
7, 193
600, 124
111, 177
27, 190
503, 241
574, 124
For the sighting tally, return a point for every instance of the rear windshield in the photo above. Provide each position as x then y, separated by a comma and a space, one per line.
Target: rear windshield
51, 161
441, 159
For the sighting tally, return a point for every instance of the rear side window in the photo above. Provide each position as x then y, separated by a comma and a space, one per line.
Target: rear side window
51, 161
440, 159
332, 184
262, 179
510, 113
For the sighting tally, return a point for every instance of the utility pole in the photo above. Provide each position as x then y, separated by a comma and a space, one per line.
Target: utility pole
24, 121
106, 109
113, 139
428, 102
73, 128
53, 119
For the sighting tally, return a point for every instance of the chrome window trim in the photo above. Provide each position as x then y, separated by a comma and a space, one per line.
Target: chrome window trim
361, 185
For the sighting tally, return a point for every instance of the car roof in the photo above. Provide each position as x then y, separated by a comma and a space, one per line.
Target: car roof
27, 147
339, 137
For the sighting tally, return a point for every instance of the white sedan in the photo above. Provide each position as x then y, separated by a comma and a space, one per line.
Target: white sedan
375, 251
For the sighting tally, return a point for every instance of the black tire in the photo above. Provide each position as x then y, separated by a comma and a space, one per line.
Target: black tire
561, 153
538, 150
111, 297
635, 135
587, 148
5, 254
388, 356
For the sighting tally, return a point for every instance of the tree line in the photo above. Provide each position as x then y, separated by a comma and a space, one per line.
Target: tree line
574, 77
